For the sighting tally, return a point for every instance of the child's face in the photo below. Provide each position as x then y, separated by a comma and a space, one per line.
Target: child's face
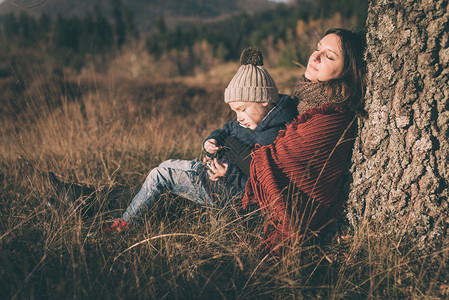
327, 61
250, 114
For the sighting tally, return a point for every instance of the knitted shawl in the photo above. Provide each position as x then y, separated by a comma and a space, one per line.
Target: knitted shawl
297, 179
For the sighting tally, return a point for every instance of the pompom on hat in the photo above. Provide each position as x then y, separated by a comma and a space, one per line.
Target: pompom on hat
251, 83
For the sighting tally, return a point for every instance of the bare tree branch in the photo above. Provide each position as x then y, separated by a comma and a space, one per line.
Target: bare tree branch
23, 5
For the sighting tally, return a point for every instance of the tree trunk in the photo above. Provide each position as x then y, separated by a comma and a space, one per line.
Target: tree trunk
400, 170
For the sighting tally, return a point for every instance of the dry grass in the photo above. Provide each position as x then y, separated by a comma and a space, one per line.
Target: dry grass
107, 131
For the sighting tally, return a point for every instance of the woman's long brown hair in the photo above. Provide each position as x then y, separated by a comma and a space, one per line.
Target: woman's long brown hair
351, 80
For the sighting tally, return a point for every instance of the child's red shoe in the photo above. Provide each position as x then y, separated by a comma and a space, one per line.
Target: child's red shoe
118, 226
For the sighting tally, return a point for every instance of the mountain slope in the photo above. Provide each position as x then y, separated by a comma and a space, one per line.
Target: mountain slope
146, 12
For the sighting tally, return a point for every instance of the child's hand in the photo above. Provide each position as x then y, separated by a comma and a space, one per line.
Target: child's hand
216, 169
211, 146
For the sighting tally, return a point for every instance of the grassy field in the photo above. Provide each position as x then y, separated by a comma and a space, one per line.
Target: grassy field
107, 131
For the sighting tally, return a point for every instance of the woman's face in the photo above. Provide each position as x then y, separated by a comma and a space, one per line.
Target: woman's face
327, 61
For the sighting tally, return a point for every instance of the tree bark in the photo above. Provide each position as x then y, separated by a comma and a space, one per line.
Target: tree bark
400, 170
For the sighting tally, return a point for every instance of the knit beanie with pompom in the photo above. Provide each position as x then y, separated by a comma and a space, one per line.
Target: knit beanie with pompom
251, 83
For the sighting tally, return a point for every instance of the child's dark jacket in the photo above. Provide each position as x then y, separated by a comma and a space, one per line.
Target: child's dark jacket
238, 141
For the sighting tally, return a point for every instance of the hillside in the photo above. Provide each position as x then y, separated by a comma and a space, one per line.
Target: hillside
146, 12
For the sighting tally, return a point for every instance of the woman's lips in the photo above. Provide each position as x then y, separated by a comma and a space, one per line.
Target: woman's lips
312, 67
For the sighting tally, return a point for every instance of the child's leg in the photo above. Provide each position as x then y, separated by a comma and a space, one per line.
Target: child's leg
181, 177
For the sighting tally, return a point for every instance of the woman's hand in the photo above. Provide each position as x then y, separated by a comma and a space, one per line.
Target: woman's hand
211, 146
216, 169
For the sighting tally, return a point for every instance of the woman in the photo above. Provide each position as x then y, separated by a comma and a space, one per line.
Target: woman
296, 180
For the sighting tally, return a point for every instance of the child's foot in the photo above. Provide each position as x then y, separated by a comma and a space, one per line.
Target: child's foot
63, 190
118, 226
68, 193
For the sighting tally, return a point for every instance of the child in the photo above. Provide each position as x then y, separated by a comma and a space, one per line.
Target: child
222, 175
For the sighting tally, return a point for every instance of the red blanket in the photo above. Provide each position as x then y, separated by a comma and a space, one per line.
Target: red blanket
297, 179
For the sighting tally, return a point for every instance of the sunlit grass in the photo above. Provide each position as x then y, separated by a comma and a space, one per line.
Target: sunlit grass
111, 134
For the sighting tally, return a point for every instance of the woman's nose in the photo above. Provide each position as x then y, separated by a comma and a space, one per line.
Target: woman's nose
316, 56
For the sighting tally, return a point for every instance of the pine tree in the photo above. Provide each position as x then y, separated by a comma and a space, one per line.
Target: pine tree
119, 25
10, 26
131, 29
103, 33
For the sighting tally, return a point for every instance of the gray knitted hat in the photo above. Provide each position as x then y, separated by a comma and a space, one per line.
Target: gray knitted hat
251, 83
